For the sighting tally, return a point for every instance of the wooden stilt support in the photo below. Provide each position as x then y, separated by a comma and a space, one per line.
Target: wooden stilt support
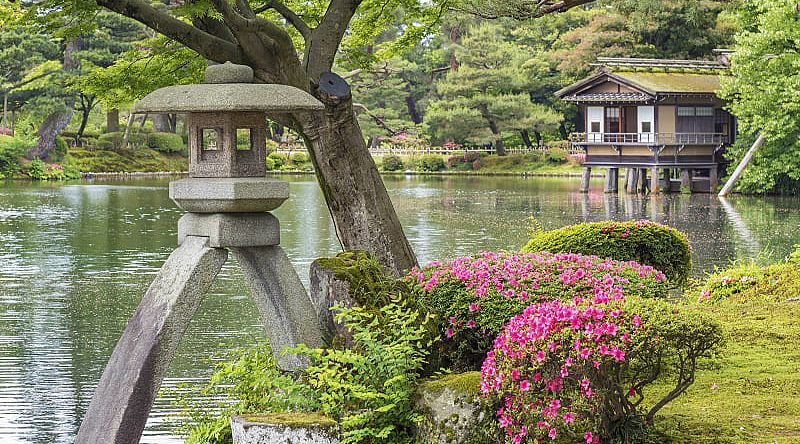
612, 180
686, 180
587, 175
666, 179
655, 181
633, 180
713, 179
643, 180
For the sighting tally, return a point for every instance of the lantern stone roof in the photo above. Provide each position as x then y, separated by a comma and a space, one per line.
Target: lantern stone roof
228, 88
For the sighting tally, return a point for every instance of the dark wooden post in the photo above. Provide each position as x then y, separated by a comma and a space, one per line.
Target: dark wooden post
633, 180
686, 180
713, 179
666, 184
655, 181
585, 177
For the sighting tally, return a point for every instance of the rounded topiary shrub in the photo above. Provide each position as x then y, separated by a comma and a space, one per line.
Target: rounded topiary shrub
474, 296
270, 164
298, 158
278, 160
392, 163
580, 368
166, 142
432, 163
643, 241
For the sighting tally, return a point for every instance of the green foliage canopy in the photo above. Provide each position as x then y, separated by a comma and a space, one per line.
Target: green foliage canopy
764, 93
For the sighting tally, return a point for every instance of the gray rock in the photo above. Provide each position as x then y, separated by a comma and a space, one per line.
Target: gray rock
299, 429
326, 291
123, 398
286, 310
454, 412
231, 229
229, 195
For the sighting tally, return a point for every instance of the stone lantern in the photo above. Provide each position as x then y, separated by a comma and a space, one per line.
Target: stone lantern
228, 201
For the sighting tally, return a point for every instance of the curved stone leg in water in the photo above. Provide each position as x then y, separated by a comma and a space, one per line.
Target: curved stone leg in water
121, 404
286, 310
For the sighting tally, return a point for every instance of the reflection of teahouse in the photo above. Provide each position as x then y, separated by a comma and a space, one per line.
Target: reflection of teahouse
658, 115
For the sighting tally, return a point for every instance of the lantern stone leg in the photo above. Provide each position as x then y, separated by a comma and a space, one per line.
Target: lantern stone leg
286, 309
123, 398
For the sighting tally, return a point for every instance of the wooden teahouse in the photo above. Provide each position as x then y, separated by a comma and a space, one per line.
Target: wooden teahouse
660, 118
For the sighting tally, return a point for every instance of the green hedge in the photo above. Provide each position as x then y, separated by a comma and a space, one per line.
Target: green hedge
136, 138
392, 163
166, 142
645, 242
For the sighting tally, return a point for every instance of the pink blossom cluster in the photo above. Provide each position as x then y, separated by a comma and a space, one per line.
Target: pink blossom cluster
529, 278
546, 362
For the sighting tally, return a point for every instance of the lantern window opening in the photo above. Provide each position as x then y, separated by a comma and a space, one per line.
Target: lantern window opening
244, 139
210, 139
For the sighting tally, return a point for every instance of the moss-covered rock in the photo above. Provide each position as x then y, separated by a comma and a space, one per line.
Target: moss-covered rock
454, 412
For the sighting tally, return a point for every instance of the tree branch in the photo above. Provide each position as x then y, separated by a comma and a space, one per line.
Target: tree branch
239, 22
325, 39
208, 45
516, 9
295, 20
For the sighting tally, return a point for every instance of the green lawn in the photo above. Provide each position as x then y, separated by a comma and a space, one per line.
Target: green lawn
752, 394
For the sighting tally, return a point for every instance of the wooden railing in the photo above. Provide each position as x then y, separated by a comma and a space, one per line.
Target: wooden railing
649, 138
383, 151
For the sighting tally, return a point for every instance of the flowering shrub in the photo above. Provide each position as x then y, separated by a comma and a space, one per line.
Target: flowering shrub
579, 368
475, 296
643, 241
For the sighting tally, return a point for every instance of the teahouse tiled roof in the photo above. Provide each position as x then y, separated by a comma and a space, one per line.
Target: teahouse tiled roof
609, 97
649, 78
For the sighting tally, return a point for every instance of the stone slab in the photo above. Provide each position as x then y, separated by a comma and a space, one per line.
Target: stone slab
231, 229
121, 403
248, 431
229, 195
286, 310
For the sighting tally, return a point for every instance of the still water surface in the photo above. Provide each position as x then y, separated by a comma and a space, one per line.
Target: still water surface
76, 259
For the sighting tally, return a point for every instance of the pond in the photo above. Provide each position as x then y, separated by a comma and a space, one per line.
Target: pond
76, 259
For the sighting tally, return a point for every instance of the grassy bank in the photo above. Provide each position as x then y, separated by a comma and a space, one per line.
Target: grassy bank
752, 394
147, 160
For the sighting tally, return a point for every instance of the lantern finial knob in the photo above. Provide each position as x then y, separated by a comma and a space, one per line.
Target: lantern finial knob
229, 73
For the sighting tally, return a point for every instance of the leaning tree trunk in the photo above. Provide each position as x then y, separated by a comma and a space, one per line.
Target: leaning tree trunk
51, 127
364, 216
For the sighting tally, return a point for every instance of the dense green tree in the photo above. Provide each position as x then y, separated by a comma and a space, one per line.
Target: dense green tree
21, 51
488, 94
765, 94
645, 28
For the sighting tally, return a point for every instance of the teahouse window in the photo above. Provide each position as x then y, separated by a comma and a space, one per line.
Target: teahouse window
695, 119
612, 120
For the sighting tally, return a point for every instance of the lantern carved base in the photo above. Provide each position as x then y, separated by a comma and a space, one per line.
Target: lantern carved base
231, 229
